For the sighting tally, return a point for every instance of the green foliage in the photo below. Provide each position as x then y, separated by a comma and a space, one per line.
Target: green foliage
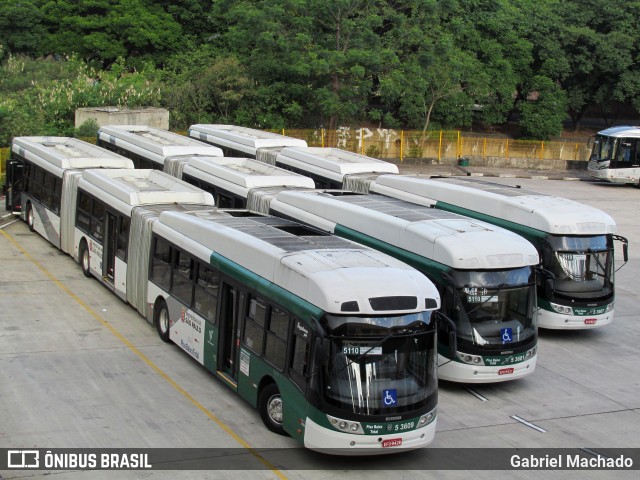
542, 119
313, 63
89, 128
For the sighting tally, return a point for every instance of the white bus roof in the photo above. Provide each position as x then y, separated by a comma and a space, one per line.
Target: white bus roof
66, 153
444, 237
621, 131
156, 141
244, 139
324, 270
246, 173
334, 160
546, 213
141, 187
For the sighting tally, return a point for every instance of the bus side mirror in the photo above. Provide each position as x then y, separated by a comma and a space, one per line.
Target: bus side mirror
549, 287
625, 249
452, 334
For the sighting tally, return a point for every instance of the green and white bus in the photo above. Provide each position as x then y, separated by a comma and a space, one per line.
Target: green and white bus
44, 172
484, 274
575, 241
150, 147
334, 343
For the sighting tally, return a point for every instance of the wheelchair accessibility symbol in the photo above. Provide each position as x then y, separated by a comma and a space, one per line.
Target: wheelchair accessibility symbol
390, 397
506, 334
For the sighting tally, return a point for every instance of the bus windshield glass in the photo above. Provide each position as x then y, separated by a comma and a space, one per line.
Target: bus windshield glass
381, 370
582, 266
494, 309
603, 148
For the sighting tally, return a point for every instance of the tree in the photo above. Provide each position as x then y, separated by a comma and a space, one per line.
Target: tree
542, 118
103, 30
21, 29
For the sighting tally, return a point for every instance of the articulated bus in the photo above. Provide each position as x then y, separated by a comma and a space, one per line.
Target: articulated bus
333, 343
150, 147
328, 167
42, 175
484, 274
615, 155
575, 241
242, 142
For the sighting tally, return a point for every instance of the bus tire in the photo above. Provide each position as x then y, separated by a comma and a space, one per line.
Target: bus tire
270, 407
30, 219
161, 320
85, 258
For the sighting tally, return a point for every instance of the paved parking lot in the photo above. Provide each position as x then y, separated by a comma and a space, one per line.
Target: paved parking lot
79, 368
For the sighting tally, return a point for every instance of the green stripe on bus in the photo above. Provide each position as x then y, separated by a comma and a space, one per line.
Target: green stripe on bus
527, 232
296, 305
419, 262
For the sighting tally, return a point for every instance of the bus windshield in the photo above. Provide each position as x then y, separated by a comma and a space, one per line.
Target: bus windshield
378, 370
603, 148
583, 267
494, 309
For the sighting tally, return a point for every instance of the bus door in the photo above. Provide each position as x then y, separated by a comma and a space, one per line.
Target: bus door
12, 187
109, 253
230, 304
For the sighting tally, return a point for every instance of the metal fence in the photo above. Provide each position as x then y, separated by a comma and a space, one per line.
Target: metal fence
438, 145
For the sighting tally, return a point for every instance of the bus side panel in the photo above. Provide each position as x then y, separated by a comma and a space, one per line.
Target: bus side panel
120, 278
45, 222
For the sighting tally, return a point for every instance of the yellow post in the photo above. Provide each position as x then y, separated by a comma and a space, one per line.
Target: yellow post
541, 150
507, 150
322, 138
362, 141
459, 146
401, 143
575, 156
440, 148
484, 148
283, 132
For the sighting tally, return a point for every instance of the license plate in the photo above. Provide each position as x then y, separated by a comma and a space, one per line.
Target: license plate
590, 321
392, 442
505, 371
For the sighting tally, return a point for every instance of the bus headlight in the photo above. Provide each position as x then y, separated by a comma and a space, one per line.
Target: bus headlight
609, 307
346, 426
530, 353
470, 359
427, 418
562, 309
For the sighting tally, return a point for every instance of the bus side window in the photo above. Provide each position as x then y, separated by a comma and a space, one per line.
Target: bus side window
97, 220
161, 266
277, 332
183, 274
299, 363
83, 215
254, 324
123, 238
206, 292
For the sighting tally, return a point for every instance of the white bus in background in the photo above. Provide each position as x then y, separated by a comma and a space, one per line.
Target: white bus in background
114, 210
328, 167
575, 241
236, 176
615, 155
44, 172
243, 142
484, 274
154, 148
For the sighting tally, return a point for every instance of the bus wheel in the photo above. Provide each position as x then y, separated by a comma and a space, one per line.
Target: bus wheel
163, 324
85, 259
30, 219
270, 406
